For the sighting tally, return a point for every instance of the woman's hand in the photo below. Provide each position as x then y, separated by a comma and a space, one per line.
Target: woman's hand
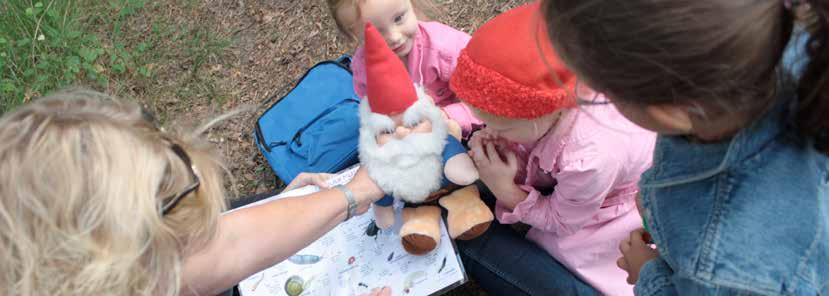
635, 253
365, 190
318, 179
385, 291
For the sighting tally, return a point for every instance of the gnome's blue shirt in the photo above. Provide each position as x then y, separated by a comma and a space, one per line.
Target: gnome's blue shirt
453, 147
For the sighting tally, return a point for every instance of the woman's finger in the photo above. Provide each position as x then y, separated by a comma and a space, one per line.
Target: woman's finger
372, 293
386, 291
321, 180
298, 181
364, 189
304, 179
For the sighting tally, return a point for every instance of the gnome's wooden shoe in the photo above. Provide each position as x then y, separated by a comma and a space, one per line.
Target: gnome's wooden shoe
469, 217
420, 232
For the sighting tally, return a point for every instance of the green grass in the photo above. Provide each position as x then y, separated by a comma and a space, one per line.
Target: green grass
114, 45
43, 46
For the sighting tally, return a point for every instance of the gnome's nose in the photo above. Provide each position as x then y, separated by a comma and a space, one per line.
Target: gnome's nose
401, 132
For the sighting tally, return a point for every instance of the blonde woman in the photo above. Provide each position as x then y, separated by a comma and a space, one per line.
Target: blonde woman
96, 200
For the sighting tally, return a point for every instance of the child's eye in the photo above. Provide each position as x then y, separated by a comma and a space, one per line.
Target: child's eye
399, 18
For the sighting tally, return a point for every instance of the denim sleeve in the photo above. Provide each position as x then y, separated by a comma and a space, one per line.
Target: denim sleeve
657, 278
795, 57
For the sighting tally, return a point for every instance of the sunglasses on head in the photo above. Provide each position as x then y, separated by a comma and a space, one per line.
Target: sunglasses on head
173, 200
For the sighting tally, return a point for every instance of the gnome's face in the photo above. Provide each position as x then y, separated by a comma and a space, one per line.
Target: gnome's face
403, 152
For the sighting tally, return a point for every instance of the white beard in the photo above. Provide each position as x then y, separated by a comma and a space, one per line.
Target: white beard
410, 169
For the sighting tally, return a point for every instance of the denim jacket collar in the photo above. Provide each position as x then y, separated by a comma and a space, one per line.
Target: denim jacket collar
678, 161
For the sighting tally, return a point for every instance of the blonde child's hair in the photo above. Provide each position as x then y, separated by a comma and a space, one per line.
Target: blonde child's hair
424, 9
82, 182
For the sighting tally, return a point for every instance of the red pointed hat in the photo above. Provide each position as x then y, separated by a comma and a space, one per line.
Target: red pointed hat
390, 89
510, 69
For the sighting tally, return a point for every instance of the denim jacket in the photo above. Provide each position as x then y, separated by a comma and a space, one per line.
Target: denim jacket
745, 216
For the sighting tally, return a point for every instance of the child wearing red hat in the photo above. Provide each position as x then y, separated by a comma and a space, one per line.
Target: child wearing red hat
569, 172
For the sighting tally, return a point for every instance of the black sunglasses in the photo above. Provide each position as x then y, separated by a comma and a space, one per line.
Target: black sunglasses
173, 200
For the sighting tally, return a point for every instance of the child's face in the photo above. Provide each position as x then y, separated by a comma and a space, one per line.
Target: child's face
521, 131
394, 19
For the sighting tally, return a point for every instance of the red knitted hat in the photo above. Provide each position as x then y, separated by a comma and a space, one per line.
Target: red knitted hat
390, 89
510, 68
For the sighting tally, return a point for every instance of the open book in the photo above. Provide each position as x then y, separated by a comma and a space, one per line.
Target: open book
356, 257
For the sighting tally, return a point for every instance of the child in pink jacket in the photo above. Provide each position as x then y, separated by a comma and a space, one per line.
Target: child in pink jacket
568, 171
428, 49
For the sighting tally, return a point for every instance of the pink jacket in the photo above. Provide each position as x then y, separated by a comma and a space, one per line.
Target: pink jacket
431, 62
591, 161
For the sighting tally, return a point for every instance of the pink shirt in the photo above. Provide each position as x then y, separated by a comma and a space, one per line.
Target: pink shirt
591, 161
430, 63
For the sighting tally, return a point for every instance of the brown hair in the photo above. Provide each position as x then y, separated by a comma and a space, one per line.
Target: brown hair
424, 9
720, 54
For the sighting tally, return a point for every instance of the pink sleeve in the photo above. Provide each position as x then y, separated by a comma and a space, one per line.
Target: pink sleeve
455, 42
463, 115
358, 70
582, 187
450, 53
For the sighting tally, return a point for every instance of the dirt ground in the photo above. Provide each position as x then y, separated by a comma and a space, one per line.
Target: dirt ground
272, 43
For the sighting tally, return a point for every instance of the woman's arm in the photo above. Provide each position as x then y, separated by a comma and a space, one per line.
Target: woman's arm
252, 239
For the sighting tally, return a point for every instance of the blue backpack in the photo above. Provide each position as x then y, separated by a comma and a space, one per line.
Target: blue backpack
315, 127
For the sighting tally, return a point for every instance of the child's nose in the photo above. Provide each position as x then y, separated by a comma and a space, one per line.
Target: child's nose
401, 132
393, 38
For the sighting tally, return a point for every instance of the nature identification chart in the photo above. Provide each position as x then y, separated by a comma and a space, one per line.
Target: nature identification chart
356, 257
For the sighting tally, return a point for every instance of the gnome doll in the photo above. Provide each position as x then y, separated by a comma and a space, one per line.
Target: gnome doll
407, 149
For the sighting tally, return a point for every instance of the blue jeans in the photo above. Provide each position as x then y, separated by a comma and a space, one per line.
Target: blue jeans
503, 262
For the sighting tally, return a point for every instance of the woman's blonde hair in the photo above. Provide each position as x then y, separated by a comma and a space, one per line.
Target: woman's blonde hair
424, 9
83, 180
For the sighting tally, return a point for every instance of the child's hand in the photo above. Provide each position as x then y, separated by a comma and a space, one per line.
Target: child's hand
635, 253
497, 168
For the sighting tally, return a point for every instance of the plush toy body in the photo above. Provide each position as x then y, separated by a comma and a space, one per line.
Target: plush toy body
452, 148
406, 146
